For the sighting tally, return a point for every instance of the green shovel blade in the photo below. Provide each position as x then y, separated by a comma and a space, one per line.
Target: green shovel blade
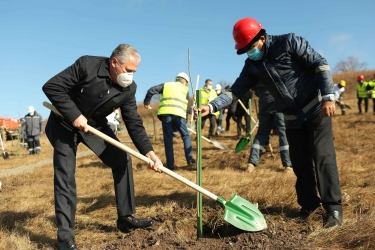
243, 214
241, 144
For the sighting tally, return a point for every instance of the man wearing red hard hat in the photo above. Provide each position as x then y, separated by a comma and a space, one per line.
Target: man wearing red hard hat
362, 93
301, 83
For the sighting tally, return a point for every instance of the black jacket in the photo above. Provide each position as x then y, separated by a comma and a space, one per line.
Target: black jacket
86, 88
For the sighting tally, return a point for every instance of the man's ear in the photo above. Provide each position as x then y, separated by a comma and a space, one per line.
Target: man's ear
114, 61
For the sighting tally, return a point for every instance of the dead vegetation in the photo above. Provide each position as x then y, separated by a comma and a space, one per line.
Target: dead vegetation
27, 211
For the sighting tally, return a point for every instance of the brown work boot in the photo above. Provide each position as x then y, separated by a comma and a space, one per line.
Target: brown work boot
250, 167
288, 169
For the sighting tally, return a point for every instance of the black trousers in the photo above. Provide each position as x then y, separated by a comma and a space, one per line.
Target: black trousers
212, 119
360, 104
313, 159
65, 184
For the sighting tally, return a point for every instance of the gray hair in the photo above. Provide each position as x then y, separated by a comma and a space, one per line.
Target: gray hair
123, 51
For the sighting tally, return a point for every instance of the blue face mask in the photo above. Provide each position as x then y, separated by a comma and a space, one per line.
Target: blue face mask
255, 54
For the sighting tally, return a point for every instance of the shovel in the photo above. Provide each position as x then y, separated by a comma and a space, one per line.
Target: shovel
215, 143
245, 140
5, 154
238, 211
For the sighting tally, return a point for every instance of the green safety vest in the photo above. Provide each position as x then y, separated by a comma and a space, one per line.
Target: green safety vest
174, 99
361, 90
207, 97
372, 91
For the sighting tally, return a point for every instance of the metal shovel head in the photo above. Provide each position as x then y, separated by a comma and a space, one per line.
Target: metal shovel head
241, 144
244, 215
219, 145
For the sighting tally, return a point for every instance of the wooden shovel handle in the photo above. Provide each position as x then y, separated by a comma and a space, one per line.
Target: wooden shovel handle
140, 156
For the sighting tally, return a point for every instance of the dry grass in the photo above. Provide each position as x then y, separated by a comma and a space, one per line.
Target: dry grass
27, 212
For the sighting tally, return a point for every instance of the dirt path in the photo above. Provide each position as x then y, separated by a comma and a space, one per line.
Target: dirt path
28, 168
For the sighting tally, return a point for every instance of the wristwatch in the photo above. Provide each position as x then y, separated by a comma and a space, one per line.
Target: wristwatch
329, 98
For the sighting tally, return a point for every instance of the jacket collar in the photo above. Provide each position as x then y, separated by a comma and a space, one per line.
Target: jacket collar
267, 45
104, 69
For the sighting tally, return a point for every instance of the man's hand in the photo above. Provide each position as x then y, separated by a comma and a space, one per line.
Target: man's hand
204, 109
155, 161
81, 123
147, 106
328, 108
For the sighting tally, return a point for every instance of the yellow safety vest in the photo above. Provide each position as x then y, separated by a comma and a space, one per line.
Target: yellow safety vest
207, 97
173, 100
361, 90
372, 85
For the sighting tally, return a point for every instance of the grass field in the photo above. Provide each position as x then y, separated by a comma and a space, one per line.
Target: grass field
27, 207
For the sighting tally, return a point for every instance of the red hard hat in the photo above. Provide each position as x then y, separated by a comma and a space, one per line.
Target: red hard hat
244, 31
361, 77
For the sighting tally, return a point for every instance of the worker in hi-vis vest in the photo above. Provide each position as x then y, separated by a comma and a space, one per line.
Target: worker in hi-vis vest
207, 95
371, 92
173, 112
362, 93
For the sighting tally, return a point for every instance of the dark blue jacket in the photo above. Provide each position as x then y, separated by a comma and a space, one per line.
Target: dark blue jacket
293, 72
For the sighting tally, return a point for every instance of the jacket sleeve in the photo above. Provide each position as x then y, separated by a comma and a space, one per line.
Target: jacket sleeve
134, 125
313, 61
58, 87
158, 89
41, 125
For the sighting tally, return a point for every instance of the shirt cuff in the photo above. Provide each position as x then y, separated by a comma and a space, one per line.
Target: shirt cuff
329, 95
211, 108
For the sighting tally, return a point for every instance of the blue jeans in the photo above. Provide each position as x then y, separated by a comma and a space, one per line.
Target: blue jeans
169, 122
266, 123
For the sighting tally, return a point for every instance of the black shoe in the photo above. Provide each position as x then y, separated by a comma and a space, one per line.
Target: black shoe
68, 244
334, 219
191, 162
304, 213
125, 223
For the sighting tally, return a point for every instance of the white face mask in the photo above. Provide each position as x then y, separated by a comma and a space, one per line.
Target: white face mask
124, 79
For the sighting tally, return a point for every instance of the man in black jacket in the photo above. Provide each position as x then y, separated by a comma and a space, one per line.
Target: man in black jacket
300, 81
85, 93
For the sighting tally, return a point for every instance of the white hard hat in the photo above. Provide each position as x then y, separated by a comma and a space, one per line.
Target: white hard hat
217, 87
31, 109
184, 75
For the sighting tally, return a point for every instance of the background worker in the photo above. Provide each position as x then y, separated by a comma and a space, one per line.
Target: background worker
207, 95
269, 119
371, 92
85, 93
173, 113
33, 128
241, 113
23, 136
114, 120
339, 95
362, 93
231, 111
300, 81
219, 120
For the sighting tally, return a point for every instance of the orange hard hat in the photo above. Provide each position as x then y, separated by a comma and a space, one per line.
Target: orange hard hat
361, 78
244, 31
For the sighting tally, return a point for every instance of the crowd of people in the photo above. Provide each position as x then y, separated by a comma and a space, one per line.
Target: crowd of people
297, 103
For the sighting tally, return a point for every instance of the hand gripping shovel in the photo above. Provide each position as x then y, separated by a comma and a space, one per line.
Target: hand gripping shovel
238, 211
5, 154
215, 143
